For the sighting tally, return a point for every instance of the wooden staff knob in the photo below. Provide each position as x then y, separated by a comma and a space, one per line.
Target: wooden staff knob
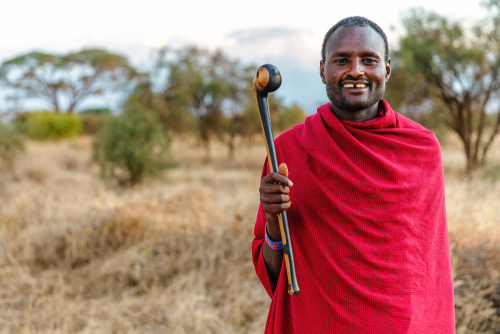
268, 78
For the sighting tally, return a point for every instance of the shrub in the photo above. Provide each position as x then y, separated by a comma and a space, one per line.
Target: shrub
96, 111
291, 116
131, 146
91, 119
49, 125
11, 143
90, 123
20, 122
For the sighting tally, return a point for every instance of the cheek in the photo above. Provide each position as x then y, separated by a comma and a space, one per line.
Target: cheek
332, 76
379, 76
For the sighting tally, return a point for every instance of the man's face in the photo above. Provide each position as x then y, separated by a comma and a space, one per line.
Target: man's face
354, 69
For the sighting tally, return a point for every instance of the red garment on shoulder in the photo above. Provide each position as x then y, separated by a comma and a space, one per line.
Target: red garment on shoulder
368, 229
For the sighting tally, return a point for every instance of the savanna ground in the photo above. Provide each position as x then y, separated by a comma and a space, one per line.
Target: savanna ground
172, 255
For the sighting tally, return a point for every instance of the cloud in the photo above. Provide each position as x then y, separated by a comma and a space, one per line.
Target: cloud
257, 35
295, 52
278, 44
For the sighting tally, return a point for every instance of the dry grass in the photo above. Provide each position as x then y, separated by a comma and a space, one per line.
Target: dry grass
473, 207
173, 255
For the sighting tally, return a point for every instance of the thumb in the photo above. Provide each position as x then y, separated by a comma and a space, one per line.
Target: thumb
283, 169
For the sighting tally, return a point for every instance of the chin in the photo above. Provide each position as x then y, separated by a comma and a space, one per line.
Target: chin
353, 103
354, 106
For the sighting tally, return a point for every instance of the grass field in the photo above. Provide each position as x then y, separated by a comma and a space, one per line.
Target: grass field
172, 255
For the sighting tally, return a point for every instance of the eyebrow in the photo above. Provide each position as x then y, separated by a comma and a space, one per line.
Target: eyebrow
370, 54
364, 54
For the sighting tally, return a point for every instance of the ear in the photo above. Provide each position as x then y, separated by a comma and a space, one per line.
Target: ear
322, 71
387, 70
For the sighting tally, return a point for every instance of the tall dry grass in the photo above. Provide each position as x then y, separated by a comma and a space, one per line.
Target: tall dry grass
173, 255
473, 211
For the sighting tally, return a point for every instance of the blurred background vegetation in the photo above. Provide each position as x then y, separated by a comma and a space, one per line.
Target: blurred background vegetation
445, 75
84, 222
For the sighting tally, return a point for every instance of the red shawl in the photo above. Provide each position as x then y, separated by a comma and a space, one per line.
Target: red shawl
368, 229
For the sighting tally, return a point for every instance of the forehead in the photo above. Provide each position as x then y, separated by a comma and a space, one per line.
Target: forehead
355, 39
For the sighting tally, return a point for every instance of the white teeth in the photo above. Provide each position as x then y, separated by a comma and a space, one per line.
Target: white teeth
352, 85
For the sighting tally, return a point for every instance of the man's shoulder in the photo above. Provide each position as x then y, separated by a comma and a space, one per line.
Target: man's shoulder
422, 134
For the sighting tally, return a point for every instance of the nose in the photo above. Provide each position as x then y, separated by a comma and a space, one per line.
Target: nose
356, 69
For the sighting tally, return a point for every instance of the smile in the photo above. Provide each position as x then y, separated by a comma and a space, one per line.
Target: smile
362, 85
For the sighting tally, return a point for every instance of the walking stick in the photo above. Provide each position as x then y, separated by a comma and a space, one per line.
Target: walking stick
267, 80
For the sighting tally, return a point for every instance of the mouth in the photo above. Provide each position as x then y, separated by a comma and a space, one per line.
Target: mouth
355, 86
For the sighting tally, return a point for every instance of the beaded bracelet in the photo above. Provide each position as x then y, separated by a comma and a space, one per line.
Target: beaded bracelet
273, 244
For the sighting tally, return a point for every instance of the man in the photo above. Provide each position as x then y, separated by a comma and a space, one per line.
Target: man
366, 210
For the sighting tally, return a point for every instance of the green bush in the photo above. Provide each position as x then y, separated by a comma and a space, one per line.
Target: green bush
91, 119
131, 146
291, 116
20, 122
90, 123
11, 143
95, 111
49, 125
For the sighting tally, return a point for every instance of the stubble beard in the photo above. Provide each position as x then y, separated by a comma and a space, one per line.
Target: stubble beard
335, 95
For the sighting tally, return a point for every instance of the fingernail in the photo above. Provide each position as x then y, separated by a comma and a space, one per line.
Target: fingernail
290, 183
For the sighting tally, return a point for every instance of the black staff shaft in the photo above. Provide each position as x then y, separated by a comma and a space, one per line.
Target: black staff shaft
293, 287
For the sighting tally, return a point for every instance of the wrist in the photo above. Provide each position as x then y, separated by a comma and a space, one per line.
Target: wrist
273, 244
273, 229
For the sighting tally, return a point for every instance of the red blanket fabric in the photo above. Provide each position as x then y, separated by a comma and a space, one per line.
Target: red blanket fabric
368, 229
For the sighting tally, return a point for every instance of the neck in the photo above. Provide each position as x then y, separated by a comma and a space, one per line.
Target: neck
357, 116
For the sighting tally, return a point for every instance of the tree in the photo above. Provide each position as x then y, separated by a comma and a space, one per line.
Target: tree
174, 120
243, 115
218, 92
197, 81
241, 99
292, 115
71, 78
443, 65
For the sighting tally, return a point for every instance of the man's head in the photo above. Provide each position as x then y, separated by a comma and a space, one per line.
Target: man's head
355, 64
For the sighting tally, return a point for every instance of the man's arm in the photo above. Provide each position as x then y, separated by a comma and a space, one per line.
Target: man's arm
275, 199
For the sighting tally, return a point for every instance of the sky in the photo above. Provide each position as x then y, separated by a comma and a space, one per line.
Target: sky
286, 33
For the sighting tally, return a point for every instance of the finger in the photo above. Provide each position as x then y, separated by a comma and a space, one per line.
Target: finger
283, 169
274, 209
276, 177
272, 188
274, 198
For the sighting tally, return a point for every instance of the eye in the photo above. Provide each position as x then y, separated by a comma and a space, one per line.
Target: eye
341, 61
369, 61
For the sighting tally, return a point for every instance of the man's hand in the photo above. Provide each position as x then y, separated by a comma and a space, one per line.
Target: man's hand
274, 196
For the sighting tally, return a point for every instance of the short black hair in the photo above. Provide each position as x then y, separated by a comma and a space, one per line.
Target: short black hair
355, 21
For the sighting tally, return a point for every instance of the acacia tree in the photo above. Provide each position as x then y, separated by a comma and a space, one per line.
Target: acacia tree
457, 70
241, 104
198, 81
242, 108
71, 78
173, 119
218, 92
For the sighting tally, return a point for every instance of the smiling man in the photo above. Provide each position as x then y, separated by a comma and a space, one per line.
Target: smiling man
368, 220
